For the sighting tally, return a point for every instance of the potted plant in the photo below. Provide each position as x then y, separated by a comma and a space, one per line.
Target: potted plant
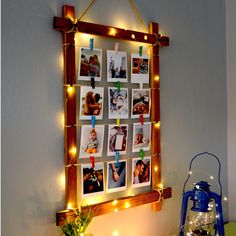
78, 226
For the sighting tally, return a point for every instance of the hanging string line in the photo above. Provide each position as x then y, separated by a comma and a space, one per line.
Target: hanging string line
86, 10
134, 8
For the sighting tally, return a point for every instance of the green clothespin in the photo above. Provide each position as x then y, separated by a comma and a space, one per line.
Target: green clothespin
118, 86
141, 153
140, 51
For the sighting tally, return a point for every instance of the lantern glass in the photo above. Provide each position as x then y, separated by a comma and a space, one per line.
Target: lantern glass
200, 223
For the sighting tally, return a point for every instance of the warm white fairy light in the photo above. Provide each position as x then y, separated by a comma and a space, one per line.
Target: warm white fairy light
225, 199
190, 172
211, 177
115, 233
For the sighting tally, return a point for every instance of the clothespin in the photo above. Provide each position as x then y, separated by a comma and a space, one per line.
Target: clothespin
141, 153
141, 119
91, 43
141, 85
117, 157
91, 158
93, 121
118, 86
140, 51
116, 46
92, 82
118, 121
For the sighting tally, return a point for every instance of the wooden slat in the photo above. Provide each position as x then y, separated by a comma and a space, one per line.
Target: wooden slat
70, 112
117, 205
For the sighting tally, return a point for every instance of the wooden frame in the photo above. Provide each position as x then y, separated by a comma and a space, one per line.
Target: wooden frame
68, 26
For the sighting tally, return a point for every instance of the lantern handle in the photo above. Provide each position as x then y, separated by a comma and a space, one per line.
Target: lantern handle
200, 155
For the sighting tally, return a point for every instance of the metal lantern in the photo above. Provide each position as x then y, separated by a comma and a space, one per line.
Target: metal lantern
205, 216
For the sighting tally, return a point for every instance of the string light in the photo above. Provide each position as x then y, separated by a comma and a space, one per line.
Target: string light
225, 199
73, 150
211, 177
160, 186
69, 206
114, 202
157, 78
156, 168
115, 233
70, 90
132, 36
157, 125
116, 210
112, 32
145, 37
127, 205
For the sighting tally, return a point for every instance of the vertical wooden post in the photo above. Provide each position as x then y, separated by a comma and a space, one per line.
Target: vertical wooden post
155, 114
70, 143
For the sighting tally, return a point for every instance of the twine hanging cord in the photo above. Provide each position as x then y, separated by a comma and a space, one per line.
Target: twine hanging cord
134, 8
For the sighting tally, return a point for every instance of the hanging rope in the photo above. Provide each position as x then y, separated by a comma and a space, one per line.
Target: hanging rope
86, 10
138, 15
134, 8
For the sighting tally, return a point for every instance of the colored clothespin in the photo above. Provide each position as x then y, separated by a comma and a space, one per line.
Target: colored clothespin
117, 157
116, 47
140, 51
92, 82
93, 121
92, 161
141, 153
118, 121
141, 119
91, 43
118, 86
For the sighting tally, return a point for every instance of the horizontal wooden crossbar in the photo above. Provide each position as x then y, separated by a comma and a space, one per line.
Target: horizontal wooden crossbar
118, 204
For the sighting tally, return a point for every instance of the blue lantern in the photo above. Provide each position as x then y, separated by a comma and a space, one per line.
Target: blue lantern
205, 216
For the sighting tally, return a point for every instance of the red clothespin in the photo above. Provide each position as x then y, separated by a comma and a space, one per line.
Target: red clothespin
91, 158
141, 119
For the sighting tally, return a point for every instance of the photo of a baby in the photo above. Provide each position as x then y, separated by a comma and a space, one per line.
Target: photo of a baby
141, 172
141, 103
91, 102
141, 136
139, 68
116, 176
91, 142
118, 103
92, 179
116, 66
117, 139
90, 64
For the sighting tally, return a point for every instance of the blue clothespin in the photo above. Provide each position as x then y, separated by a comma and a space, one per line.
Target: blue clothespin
141, 153
117, 157
140, 51
91, 43
93, 121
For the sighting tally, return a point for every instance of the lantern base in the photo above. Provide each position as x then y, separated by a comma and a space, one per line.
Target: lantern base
201, 232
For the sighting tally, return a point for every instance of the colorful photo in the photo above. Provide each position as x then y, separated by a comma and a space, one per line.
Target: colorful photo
141, 136
118, 103
116, 176
92, 179
117, 139
139, 68
141, 103
91, 141
91, 102
90, 64
116, 66
141, 172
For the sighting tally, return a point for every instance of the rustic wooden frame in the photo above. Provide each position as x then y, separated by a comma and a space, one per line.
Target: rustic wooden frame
68, 26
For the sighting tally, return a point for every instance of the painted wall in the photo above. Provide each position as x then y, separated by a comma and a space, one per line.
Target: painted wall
231, 86
193, 108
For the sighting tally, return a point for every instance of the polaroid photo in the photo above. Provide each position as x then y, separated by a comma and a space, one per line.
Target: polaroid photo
139, 68
91, 142
117, 139
92, 179
141, 103
118, 103
141, 136
90, 64
141, 172
91, 102
116, 66
116, 176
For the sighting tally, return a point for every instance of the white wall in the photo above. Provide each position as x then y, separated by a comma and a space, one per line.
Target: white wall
193, 108
231, 87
